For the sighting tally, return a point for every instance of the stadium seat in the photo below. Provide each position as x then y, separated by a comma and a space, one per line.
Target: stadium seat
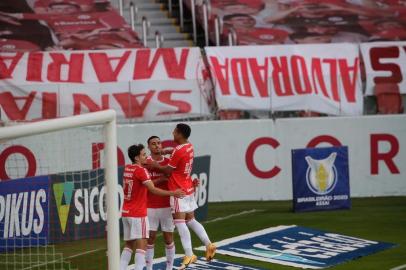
230, 115
389, 103
309, 114
388, 98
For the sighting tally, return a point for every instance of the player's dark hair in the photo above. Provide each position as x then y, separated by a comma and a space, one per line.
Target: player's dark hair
184, 129
134, 150
151, 138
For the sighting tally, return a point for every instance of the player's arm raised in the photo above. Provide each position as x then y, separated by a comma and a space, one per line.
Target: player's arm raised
154, 165
157, 191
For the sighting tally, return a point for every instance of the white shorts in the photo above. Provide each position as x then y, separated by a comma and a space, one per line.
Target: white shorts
186, 204
160, 216
135, 228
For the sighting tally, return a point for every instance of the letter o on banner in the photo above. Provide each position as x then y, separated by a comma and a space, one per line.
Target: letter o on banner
249, 158
323, 138
17, 149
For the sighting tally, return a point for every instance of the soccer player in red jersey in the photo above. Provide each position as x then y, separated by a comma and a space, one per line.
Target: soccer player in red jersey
159, 209
179, 169
137, 182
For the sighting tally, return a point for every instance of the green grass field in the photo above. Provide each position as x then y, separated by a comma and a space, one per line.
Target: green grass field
381, 219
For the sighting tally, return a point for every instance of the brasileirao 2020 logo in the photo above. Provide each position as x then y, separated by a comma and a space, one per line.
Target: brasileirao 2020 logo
321, 175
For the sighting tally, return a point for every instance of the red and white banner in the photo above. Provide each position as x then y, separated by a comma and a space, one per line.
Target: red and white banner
385, 66
140, 84
322, 78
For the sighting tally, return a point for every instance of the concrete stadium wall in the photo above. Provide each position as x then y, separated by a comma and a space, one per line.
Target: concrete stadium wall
251, 159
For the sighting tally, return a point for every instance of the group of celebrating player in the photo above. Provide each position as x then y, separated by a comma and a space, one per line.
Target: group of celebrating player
160, 191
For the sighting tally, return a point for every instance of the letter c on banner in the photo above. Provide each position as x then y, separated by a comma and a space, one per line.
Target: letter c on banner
249, 158
323, 138
32, 164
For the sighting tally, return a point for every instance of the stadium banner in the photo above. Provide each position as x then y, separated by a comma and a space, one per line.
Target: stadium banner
78, 210
385, 67
299, 247
140, 84
321, 78
24, 213
249, 159
320, 179
201, 264
201, 170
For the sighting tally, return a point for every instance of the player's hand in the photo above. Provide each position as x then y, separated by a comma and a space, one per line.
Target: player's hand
151, 165
167, 151
179, 193
196, 182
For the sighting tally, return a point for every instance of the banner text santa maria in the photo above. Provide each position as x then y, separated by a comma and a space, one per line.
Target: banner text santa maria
148, 84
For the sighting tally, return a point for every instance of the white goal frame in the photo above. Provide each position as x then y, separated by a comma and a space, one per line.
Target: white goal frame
106, 118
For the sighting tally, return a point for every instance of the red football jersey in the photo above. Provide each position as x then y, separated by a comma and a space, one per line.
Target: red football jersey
155, 201
135, 192
182, 162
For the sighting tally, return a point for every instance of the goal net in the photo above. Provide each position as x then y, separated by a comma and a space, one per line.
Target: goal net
59, 194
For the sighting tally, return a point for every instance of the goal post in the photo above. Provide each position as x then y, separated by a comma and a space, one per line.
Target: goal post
107, 119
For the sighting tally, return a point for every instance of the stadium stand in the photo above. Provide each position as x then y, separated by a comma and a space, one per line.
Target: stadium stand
309, 21
47, 25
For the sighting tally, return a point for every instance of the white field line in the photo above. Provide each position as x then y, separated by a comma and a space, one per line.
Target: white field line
233, 215
41, 264
84, 253
63, 259
227, 217
399, 267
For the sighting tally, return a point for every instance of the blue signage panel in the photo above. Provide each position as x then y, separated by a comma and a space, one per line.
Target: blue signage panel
320, 179
299, 247
24, 213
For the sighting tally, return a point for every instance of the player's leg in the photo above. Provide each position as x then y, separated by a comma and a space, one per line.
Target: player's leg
179, 209
199, 230
141, 246
127, 252
153, 228
168, 227
140, 232
169, 250
149, 255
